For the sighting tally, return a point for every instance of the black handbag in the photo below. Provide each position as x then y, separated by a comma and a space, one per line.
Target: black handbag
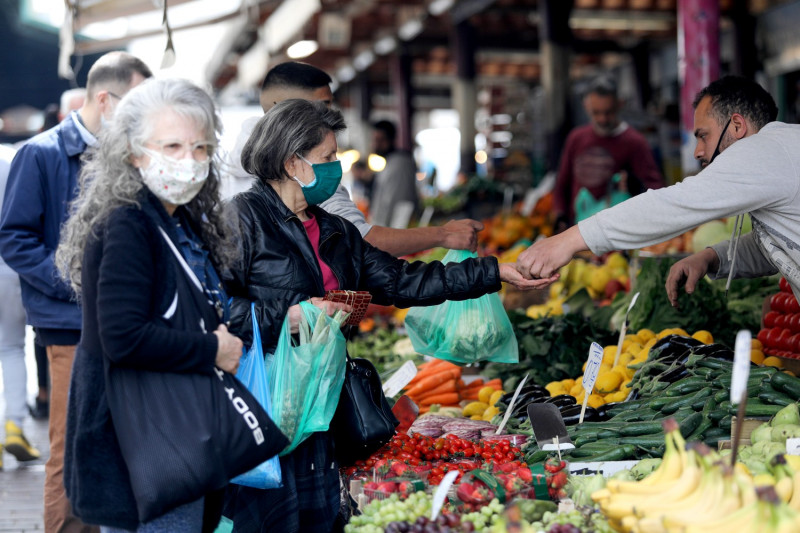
363, 421
183, 435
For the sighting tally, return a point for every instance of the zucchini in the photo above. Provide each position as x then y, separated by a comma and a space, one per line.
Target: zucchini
726, 423
690, 424
701, 429
627, 406
786, 384
617, 453
657, 404
722, 395
636, 429
717, 414
686, 401
714, 434
582, 440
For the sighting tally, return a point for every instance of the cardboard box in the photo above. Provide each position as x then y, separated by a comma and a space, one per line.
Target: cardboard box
748, 425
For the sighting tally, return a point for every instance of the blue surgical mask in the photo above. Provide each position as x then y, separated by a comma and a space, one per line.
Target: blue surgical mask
327, 177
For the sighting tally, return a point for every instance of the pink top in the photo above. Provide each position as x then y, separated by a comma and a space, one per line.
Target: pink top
328, 278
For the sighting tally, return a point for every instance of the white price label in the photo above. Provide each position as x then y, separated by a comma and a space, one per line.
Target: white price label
592, 367
441, 492
399, 379
624, 329
793, 446
741, 366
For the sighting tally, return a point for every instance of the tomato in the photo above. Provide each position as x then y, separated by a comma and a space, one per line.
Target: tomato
780, 320
784, 285
783, 342
791, 303
468, 452
776, 302
762, 336
772, 337
793, 344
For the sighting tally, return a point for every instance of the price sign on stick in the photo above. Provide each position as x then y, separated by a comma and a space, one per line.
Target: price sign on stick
400, 379
510, 408
624, 329
590, 375
441, 493
741, 371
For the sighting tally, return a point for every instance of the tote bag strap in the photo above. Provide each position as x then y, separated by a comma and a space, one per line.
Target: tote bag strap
182, 261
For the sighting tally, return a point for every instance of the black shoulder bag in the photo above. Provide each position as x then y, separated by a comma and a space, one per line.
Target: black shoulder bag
364, 420
185, 435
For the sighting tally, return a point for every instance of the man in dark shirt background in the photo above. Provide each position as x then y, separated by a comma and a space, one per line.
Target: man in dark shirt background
596, 152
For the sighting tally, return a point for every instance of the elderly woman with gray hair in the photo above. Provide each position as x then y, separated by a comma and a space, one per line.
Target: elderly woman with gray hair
152, 174
295, 251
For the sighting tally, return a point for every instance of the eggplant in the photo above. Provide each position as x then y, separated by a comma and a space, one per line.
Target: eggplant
674, 375
717, 351
505, 399
562, 400
673, 347
572, 414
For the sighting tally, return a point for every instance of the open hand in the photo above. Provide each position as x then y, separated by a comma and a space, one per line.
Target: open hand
510, 274
544, 257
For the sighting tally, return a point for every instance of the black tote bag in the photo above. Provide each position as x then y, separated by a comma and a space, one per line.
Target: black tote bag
363, 421
185, 435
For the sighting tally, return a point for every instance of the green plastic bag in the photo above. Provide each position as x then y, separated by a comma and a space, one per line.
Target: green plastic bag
466, 331
306, 378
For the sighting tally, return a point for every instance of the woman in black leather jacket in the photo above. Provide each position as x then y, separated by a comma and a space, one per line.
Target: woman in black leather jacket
295, 251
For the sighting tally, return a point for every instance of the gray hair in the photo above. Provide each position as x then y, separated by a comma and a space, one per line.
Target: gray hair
108, 180
291, 127
602, 86
114, 70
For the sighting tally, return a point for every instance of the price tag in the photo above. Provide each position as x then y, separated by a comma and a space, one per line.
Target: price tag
624, 329
590, 375
400, 379
548, 427
510, 408
741, 366
441, 492
793, 446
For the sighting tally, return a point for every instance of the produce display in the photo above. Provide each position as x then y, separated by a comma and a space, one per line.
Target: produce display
670, 387
695, 490
683, 379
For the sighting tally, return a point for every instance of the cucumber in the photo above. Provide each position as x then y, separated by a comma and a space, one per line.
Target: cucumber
690, 424
536, 457
617, 453
636, 429
714, 434
644, 441
686, 401
786, 384
657, 404
771, 396
763, 371
722, 395
685, 386
715, 364
726, 423
701, 429
717, 414
627, 406
639, 415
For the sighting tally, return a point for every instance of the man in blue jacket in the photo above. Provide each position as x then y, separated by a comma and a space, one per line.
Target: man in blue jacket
42, 182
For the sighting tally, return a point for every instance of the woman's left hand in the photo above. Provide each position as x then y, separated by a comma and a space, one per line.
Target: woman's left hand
326, 305
510, 274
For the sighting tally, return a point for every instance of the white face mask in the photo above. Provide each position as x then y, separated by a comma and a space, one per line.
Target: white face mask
176, 181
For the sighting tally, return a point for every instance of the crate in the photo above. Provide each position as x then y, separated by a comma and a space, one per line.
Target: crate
748, 425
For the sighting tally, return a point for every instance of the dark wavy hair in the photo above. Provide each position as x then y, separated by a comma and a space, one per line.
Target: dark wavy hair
737, 94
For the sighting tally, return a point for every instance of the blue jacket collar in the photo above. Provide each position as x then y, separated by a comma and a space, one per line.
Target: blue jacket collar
73, 142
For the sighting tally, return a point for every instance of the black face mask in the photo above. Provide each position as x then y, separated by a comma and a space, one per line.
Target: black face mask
722, 136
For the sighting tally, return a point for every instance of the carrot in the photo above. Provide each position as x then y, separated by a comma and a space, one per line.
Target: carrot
477, 384
447, 386
469, 395
430, 382
446, 398
496, 384
430, 368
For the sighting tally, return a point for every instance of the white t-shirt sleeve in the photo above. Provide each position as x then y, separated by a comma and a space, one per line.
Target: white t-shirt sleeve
340, 204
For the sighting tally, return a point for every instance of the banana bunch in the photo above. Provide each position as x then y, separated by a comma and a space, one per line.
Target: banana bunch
694, 491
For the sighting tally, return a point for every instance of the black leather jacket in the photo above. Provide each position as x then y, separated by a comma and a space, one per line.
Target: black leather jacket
279, 267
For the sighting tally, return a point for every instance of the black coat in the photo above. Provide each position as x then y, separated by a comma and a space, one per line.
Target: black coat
126, 287
280, 269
